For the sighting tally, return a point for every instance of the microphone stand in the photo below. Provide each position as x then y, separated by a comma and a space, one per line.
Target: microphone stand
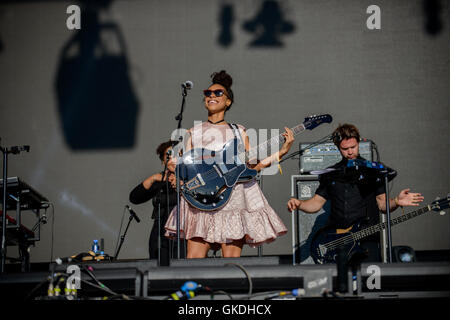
122, 238
159, 209
179, 117
385, 173
5, 183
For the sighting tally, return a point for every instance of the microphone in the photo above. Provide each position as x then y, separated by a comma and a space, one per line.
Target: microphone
187, 85
133, 214
44, 218
169, 152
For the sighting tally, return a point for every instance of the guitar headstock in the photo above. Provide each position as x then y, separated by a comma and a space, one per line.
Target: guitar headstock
440, 204
313, 121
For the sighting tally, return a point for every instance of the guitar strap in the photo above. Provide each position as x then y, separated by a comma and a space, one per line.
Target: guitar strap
236, 132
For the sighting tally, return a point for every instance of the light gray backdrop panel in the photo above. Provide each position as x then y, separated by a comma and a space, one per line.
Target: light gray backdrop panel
392, 83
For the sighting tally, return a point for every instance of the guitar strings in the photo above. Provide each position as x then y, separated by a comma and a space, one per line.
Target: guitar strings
297, 129
373, 229
354, 236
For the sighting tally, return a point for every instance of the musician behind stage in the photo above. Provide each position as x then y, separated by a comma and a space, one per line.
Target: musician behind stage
353, 202
159, 188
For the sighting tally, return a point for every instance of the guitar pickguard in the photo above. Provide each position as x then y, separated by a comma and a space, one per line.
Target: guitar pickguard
211, 175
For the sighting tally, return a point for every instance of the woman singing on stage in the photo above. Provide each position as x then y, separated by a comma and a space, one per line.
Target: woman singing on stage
247, 217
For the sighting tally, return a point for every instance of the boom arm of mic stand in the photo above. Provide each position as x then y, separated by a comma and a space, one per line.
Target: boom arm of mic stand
292, 155
306, 148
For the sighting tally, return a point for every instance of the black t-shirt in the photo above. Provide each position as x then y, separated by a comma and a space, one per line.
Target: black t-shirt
157, 192
350, 200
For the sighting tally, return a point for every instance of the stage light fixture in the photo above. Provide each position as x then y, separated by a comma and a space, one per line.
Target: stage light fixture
404, 254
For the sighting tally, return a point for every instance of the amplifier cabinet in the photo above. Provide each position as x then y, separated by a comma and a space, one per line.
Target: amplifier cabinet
325, 155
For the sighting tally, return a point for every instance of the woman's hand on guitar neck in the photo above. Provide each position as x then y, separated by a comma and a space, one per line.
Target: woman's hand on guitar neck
274, 158
288, 141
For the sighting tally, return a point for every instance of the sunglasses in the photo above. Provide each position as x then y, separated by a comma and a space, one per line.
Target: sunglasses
217, 93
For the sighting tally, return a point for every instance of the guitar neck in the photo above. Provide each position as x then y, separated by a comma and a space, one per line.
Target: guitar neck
383, 225
263, 147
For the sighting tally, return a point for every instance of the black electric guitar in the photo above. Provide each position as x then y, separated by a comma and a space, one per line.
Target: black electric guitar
327, 240
209, 176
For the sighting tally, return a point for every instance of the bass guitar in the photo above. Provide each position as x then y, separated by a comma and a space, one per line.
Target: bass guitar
327, 241
209, 176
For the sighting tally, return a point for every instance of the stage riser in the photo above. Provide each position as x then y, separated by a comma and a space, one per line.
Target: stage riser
145, 279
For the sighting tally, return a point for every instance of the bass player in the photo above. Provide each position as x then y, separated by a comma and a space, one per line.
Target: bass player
353, 201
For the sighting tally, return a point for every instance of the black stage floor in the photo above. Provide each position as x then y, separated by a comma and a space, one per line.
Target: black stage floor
245, 278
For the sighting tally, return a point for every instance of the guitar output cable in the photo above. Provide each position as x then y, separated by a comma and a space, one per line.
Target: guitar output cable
250, 283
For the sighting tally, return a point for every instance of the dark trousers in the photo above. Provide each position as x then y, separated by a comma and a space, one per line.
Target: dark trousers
371, 252
373, 249
168, 246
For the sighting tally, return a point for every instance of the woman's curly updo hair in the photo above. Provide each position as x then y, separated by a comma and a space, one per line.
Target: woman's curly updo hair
160, 151
225, 80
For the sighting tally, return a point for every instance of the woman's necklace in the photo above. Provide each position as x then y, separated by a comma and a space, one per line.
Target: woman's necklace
216, 122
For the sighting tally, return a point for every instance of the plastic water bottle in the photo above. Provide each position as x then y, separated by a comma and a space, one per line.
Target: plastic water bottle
95, 247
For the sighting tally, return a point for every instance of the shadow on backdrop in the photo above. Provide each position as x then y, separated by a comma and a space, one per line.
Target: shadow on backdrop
226, 19
269, 25
97, 104
432, 10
